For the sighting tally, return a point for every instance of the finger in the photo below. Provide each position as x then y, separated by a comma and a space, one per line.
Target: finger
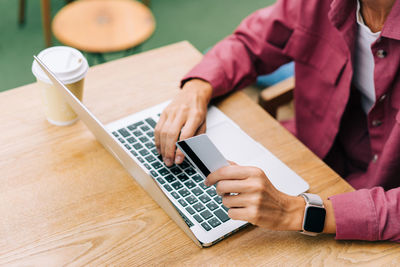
157, 131
236, 201
190, 128
232, 172
170, 137
242, 214
232, 162
233, 186
202, 129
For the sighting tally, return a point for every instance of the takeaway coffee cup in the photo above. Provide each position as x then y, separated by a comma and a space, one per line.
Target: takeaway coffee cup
70, 66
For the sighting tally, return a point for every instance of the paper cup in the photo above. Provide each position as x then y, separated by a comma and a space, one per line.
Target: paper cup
70, 67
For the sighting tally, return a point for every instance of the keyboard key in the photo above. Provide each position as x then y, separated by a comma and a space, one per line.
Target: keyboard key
154, 173
184, 192
184, 164
127, 146
140, 159
137, 133
137, 146
149, 145
151, 122
183, 177
163, 171
225, 208
187, 221
154, 152
150, 134
115, 134
124, 132
197, 178
160, 180
218, 199
190, 184
131, 140
143, 139
204, 198
175, 195
212, 205
175, 170
147, 166
190, 210
197, 191
182, 202
198, 218
156, 165
206, 214
214, 222
202, 185
206, 226
222, 215
145, 128
133, 152
191, 199
121, 140
150, 158
198, 207
190, 171
170, 178
135, 125
144, 152
177, 185
166, 186
211, 192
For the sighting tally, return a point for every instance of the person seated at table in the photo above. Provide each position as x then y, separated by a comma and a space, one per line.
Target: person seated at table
347, 101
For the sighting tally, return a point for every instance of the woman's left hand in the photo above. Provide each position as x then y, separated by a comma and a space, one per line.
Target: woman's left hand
256, 200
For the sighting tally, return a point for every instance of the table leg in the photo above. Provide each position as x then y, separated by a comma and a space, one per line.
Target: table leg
46, 21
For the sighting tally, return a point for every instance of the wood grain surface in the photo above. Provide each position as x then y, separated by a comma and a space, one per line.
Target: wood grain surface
65, 201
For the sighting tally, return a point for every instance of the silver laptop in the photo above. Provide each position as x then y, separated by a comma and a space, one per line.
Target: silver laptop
179, 189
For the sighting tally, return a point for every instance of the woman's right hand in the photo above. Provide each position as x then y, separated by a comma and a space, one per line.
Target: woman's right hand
183, 118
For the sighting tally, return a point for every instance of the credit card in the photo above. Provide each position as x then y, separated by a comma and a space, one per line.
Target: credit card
203, 154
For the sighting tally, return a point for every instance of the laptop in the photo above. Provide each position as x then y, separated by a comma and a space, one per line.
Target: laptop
179, 190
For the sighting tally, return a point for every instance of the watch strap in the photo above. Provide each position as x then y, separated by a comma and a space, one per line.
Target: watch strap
313, 199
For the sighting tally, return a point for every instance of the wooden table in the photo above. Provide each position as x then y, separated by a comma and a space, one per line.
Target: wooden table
65, 200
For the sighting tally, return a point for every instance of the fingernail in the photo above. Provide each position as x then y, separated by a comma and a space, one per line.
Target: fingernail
168, 162
178, 160
206, 182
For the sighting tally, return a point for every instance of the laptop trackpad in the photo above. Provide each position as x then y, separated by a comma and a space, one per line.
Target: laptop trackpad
238, 147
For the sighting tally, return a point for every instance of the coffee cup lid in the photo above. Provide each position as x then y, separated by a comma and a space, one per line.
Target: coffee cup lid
67, 63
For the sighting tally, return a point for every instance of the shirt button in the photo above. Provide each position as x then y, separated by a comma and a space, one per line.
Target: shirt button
381, 53
375, 158
376, 123
383, 97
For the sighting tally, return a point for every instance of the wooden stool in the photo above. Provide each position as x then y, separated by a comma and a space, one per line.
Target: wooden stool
103, 26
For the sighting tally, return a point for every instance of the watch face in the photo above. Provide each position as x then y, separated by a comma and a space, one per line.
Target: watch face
314, 219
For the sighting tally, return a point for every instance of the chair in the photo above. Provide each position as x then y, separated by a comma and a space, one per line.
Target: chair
46, 16
277, 95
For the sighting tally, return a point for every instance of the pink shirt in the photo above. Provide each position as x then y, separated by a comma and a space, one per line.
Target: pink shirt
319, 35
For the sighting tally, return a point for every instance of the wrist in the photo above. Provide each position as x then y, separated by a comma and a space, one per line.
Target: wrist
294, 214
201, 87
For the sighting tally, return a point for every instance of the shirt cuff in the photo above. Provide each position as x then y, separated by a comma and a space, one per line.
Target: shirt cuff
355, 216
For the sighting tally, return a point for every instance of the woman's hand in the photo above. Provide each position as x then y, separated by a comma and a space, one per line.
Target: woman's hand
184, 117
257, 200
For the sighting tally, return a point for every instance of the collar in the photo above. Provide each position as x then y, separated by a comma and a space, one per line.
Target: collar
340, 13
391, 28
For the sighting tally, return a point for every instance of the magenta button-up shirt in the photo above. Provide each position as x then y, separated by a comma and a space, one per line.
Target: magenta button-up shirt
319, 35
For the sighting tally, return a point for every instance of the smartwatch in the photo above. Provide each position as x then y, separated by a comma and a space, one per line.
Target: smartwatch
314, 215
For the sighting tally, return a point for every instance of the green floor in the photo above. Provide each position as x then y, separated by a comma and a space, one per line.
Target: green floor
202, 22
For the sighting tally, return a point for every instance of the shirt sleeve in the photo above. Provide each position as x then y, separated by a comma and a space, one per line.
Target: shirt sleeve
368, 214
256, 47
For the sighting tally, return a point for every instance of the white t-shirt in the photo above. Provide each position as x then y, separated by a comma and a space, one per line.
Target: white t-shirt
364, 65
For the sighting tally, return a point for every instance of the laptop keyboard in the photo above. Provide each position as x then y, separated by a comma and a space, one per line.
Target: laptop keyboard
182, 181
